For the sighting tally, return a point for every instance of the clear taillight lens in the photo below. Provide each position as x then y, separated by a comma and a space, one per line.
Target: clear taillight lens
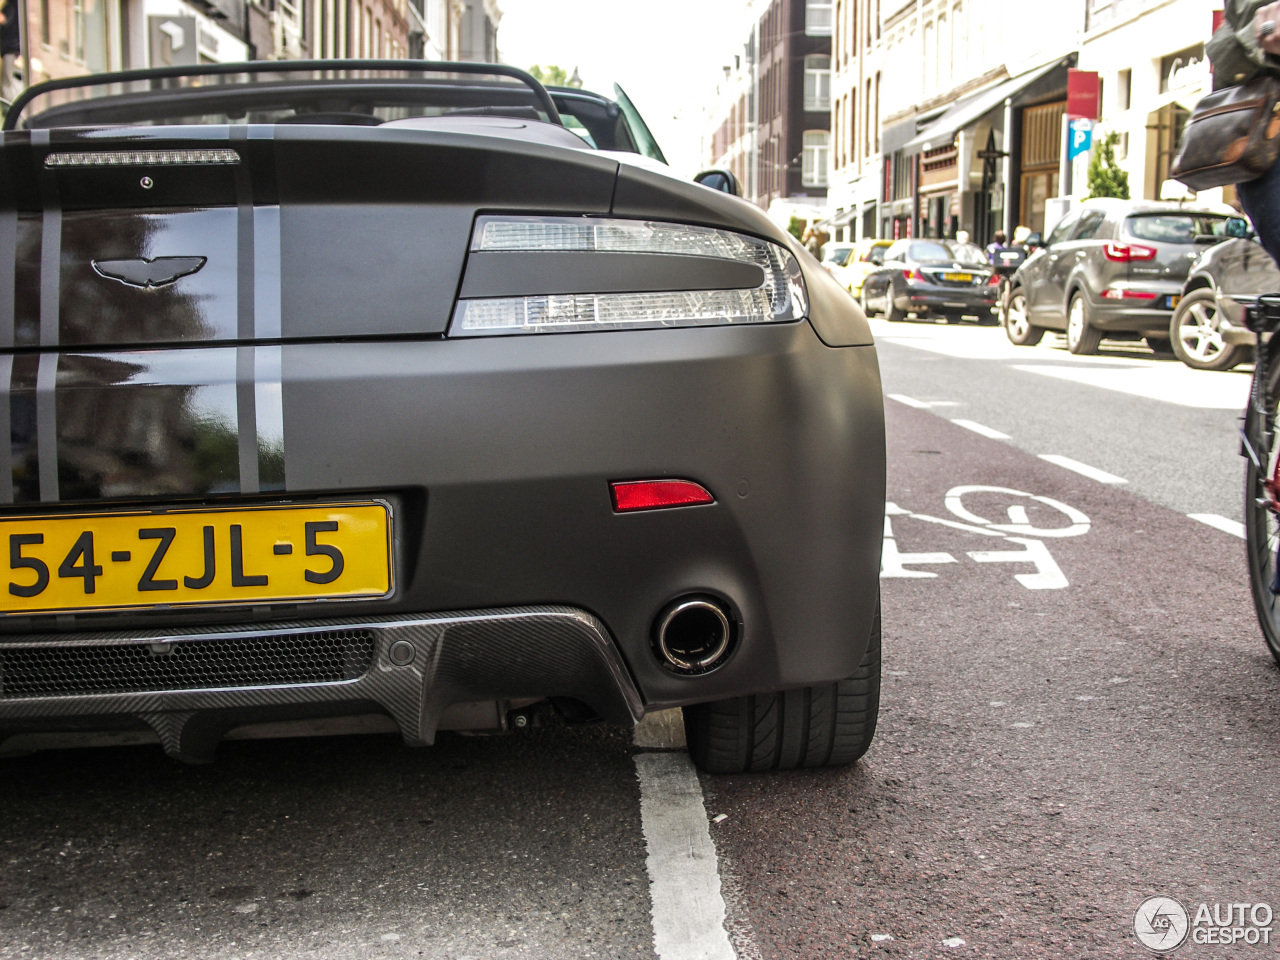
781, 297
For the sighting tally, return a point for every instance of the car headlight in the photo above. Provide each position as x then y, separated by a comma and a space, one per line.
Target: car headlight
575, 274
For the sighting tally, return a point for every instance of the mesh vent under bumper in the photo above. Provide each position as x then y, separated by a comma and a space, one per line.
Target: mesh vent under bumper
331, 656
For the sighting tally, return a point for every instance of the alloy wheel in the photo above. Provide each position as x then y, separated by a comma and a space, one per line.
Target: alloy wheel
1016, 316
1075, 322
1199, 333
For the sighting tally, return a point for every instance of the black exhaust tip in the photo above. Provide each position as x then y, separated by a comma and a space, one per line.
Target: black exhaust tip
693, 635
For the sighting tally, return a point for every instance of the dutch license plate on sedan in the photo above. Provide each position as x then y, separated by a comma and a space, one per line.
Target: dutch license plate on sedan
958, 277
94, 561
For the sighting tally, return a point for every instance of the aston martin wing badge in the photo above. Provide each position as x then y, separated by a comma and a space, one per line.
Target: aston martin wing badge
148, 274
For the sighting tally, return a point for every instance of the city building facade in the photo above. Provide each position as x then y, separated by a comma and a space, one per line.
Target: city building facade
772, 124
1150, 58
65, 38
856, 188
974, 108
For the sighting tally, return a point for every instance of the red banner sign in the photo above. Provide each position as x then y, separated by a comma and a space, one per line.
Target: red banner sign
1083, 93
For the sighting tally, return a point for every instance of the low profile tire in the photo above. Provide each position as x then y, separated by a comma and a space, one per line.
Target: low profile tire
826, 726
1083, 338
1195, 335
891, 311
1017, 327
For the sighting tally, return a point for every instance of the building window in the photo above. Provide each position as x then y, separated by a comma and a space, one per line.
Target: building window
817, 18
817, 146
817, 83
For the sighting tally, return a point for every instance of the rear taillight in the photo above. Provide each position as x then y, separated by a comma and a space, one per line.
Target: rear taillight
993, 280
656, 494
914, 275
1120, 293
1126, 252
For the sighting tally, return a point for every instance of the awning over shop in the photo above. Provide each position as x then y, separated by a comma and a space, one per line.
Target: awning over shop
840, 219
943, 130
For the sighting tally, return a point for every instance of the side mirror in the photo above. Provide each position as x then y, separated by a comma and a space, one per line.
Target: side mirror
1238, 228
721, 180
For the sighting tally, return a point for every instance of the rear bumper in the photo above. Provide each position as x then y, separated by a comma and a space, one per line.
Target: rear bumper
498, 454
949, 299
412, 669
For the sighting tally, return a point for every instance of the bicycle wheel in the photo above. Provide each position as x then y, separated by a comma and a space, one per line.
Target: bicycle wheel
1261, 524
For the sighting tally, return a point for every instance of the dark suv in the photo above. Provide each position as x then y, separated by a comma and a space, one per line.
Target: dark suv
1110, 267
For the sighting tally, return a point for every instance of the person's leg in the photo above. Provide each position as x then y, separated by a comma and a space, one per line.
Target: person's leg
9, 87
1261, 200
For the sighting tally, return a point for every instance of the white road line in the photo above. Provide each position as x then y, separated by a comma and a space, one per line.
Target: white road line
1093, 473
909, 401
982, 430
1233, 527
684, 879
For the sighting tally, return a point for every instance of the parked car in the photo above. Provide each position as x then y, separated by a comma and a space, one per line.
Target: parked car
932, 278
1110, 268
1208, 330
367, 389
866, 259
834, 258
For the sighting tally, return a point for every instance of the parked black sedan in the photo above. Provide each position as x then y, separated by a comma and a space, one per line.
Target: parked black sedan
1110, 268
932, 278
367, 390
1207, 330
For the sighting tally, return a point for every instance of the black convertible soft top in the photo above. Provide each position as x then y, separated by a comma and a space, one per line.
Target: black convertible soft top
353, 92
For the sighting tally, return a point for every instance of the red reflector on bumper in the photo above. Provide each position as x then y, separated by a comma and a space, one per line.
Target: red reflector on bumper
656, 494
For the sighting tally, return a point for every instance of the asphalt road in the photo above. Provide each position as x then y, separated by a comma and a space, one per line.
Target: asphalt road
1046, 759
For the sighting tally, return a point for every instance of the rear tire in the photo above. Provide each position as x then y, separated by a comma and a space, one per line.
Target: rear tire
1017, 327
891, 311
1083, 338
823, 726
866, 304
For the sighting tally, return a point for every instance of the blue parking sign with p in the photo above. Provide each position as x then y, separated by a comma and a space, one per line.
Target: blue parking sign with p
1080, 138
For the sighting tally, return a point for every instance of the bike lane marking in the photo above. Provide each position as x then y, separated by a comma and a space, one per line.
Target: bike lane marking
1093, 473
1233, 527
982, 430
688, 909
1019, 531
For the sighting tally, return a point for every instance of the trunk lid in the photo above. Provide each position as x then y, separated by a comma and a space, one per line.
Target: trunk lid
161, 236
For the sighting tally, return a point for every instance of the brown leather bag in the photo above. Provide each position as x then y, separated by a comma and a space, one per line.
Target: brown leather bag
1233, 136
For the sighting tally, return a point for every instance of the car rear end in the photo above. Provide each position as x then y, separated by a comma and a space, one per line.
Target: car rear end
1138, 273
423, 428
947, 281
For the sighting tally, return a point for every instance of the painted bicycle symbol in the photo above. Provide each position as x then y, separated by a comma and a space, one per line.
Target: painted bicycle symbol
1019, 530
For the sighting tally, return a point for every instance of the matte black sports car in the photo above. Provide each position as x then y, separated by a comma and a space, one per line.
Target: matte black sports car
364, 393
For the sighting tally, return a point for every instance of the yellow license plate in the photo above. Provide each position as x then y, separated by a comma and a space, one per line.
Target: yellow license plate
1174, 301
965, 277
93, 561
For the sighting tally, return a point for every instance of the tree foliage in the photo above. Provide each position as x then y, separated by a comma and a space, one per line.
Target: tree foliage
553, 76
1106, 179
796, 228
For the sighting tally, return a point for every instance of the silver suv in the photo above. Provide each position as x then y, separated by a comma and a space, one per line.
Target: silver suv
1111, 268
